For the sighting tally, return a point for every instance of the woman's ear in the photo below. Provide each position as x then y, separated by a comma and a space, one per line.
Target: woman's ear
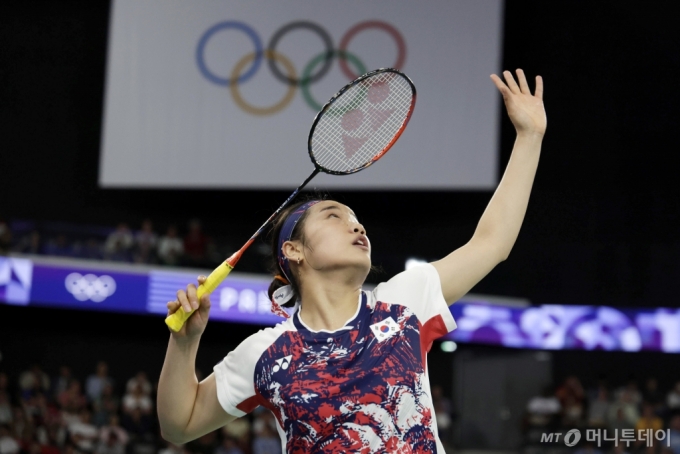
292, 250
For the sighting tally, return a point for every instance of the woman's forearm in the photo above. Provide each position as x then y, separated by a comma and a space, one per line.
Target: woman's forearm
503, 217
177, 387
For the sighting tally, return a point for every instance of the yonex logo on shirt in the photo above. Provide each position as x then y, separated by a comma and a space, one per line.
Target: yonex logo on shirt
282, 363
385, 329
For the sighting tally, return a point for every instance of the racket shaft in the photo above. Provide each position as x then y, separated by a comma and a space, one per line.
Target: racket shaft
176, 321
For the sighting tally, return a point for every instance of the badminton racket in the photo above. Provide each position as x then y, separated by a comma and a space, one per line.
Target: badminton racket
354, 129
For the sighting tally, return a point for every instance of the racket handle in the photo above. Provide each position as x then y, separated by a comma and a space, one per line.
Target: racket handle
176, 321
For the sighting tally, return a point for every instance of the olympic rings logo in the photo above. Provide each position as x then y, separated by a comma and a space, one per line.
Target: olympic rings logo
90, 287
317, 67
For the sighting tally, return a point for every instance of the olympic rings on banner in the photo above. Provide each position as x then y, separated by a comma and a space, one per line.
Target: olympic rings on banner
344, 42
358, 65
200, 51
328, 54
238, 99
313, 71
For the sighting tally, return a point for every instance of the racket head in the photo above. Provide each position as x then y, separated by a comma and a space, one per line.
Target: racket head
361, 122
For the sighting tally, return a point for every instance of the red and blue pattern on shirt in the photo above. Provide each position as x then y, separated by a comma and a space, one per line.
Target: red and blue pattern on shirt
347, 391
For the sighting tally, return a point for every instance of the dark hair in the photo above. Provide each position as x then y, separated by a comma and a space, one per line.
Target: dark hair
296, 234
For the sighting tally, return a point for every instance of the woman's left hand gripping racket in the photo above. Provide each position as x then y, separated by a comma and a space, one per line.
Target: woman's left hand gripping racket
352, 131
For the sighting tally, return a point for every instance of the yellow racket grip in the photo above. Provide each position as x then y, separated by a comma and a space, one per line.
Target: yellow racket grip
176, 321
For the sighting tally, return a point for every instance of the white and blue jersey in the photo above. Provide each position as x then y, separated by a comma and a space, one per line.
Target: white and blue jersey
363, 388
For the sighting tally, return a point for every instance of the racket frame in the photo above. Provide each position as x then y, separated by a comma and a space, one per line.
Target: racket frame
328, 105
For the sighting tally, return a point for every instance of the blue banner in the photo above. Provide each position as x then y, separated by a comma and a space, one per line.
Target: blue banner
91, 289
242, 298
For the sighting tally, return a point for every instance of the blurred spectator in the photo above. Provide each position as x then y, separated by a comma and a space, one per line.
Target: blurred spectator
112, 438
4, 383
137, 400
570, 388
92, 250
444, 402
72, 400
29, 244
33, 380
195, 243
652, 395
238, 430
572, 412
594, 391
647, 421
119, 244
96, 382
60, 383
111, 445
8, 445
618, 420
628, 402
58, 247
170, 247
52, 438
599, 409
139, 379
674, 426
443, 421
442, 410
139, 428
229, 446
673, 398
35, 406
265, 440
146, 242
543, 409
5, 405
105, 406
82, 433
22, 427
5, 238
5, 409
631, 392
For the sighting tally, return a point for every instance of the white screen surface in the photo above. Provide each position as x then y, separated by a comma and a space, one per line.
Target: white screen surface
172, 119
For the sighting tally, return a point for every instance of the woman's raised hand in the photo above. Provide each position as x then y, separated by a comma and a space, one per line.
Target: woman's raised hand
188, 300
525, 110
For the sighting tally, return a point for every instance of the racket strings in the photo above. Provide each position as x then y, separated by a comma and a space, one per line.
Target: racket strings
346, 147
362, 122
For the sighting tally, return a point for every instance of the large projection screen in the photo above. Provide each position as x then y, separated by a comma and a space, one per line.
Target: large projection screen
213, 94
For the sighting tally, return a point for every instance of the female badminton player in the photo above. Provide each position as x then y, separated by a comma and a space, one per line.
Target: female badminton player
347, 372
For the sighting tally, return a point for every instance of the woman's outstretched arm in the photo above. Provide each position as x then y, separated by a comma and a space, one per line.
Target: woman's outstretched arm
499, 225
188, 409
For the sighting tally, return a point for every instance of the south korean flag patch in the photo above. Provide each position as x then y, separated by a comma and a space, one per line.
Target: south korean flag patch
385, 329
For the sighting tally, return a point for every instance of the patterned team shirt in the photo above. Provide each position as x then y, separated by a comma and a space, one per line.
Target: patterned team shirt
361, 389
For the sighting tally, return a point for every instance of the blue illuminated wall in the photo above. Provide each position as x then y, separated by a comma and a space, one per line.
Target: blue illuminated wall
77, 284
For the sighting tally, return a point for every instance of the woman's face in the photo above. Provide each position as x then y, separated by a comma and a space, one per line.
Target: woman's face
334, 239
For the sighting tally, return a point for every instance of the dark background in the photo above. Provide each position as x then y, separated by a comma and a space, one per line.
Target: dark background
602, 222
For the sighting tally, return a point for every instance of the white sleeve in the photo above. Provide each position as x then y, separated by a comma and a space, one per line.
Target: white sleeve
420, 289
235, 374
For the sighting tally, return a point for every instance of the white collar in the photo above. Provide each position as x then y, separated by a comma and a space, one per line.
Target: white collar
345, 326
